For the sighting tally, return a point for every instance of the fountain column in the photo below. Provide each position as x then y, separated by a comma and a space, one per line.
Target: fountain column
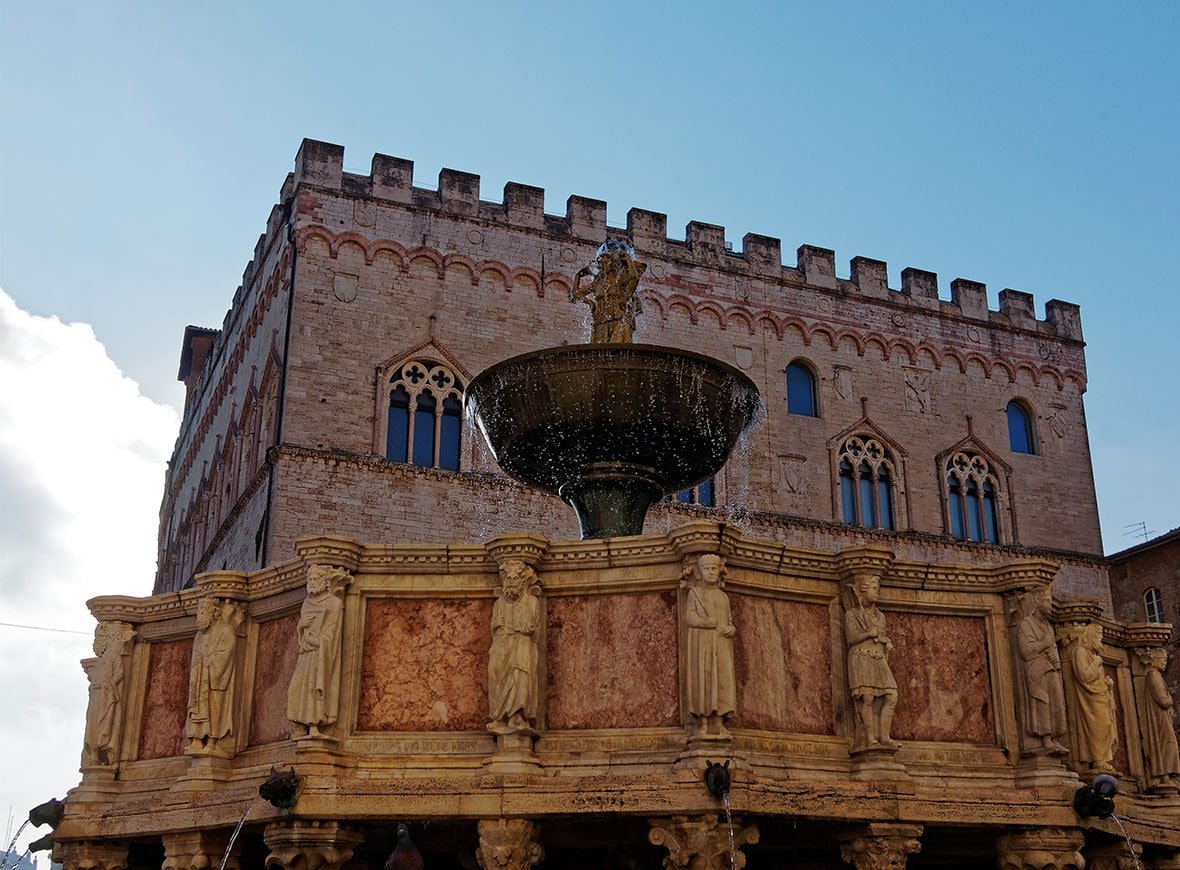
509, 844
197, 849
309, 845
1043, 848
881, 846
704, 842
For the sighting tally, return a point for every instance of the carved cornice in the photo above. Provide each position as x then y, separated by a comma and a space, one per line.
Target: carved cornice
336, 551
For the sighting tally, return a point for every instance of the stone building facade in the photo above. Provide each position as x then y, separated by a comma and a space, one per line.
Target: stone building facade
1145, 586
357, 278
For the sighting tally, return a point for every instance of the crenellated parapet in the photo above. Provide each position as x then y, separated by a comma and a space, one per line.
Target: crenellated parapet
457, 194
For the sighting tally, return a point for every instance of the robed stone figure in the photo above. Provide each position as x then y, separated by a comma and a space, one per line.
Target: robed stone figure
711, 686
313, 700
514, 656
211, 678
106, 674
1159, 736
1043, 699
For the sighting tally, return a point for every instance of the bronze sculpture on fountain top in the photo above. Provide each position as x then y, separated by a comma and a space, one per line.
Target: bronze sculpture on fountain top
612, 427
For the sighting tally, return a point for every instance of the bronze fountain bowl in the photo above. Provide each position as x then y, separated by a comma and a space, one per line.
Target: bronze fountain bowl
612, 428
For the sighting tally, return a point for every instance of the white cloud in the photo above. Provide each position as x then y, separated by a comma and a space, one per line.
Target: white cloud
82, 460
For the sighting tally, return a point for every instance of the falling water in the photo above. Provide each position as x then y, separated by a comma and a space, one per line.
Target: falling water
12, 845
19, 858
729, 827
233, 837
1127, 837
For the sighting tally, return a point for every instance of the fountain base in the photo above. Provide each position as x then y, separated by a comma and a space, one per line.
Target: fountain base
611, 498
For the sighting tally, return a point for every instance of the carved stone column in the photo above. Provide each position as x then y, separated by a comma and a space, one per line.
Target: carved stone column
881, 846
701, 843
309, 845
508, 844
197, 850
90, 855
1163, 861
1041, 849
1112, 856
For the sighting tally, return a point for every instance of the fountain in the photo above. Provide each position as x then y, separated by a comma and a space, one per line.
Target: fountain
612, 427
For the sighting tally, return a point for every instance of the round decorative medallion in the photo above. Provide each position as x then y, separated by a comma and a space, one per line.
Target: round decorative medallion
898, 319
568, 255
475, 236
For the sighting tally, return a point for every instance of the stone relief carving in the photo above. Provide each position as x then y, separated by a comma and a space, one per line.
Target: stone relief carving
1058, 424
212, 678
1043, 849
106, 674
1091, 715
701, 843
1042, 698
513, 661
794, 472
870, 680
508, 844
882, 846
711, 686
1161, 757
197, 849
842, 381
309, 845
917, 390
313, 699
90, 855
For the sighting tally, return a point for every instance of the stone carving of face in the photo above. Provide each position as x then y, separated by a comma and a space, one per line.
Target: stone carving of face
868, 589
206, 613
515, 573
1044, 601
710, 568
318, 580
101, 642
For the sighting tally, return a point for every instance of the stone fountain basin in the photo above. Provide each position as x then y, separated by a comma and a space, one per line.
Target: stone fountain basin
671, 416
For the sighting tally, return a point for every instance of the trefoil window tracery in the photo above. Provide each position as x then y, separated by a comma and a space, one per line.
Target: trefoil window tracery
867, 477
425, 418
972, 490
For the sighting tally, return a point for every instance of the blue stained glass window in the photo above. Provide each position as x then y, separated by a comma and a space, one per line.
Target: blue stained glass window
955, 493
868, 500
847, 493
448, 434
991, 530
1020, 432
801, 391
398, 426
705, 493
885, 499
424, 430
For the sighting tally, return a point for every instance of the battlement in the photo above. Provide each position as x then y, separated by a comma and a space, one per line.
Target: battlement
391, 179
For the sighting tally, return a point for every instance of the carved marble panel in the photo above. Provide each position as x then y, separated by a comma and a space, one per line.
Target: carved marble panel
165, 704
425, 665
277, 651
783, 660
943, 685
613, 661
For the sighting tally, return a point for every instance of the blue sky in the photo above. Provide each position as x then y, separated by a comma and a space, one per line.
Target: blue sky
1031, 146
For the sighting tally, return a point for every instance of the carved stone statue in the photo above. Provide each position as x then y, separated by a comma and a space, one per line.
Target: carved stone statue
211, 679
1159, 736
1042, 699
106, 675
611, 294
870, 680
1091, 718
513, 660
711, 686
314, 697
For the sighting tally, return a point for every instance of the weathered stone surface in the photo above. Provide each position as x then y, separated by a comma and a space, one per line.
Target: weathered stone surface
277, 651
612, 661
783, 659
944, 689
425, 665
165, 704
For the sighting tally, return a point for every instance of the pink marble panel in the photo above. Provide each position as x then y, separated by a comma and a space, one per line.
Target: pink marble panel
943, 685
275, 663
612, 661
783, 664
165, 703
425, 665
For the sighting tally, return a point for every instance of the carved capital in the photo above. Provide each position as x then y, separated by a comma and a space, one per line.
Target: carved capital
336, 551
197, 850
508, 844
529, 549
1076, 611
879, 846
309, 845
90, 855
701, 843
693, 539
1042, 849
1113, 856
223, 584
864, 560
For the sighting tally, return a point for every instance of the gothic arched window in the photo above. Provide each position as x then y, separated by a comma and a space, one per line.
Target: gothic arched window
867, 474
1154, 605
425, 417
1020, 428
702, 494
971, 499
801, 397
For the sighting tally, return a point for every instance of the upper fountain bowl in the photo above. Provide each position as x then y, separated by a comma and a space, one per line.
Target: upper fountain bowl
612, 428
